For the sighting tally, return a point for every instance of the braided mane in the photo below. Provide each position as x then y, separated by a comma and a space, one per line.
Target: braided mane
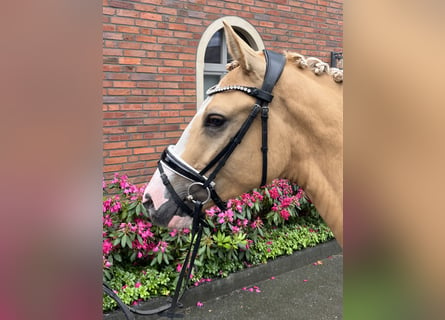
314, 64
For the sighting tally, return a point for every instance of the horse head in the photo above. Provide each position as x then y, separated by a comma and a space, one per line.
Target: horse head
200, 167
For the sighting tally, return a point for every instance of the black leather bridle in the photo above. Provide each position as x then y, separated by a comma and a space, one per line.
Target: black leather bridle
274, 67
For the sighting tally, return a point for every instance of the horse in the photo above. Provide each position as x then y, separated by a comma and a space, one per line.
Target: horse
299, 137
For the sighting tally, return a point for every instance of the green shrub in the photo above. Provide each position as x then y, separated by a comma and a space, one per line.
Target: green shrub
143, 261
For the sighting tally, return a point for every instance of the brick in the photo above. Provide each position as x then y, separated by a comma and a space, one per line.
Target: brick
120, 4
122, 152
127, 29
112, 36
115, 160
127, 13
143, 150
114, 145
126, 60
113, 168
150, 39
121, 20
132, 122
139, 165
116, 92
113, 130
137, 143
108, 10
129, 45
151, 16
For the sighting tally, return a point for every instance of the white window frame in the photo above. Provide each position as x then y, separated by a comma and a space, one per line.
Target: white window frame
240, 25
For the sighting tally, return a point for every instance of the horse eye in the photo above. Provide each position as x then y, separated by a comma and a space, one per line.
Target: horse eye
214, 121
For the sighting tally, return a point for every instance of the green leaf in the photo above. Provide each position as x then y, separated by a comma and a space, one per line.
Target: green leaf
129, 242
124, 241
132, 205
124, 214
133, 256
141, 209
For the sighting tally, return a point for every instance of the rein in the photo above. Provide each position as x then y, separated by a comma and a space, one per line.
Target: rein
274, 67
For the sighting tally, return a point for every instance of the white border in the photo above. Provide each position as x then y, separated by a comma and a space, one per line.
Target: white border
250, 32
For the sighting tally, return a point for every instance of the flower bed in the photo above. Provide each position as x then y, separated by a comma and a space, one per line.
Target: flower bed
143, 261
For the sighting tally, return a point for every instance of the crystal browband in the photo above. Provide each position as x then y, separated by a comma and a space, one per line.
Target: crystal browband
251, 91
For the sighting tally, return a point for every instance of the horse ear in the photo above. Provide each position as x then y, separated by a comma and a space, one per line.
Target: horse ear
240, 50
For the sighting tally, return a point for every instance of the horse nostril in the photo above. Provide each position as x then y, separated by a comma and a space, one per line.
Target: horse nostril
148, 202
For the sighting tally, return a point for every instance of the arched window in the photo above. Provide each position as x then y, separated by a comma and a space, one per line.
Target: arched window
212, 55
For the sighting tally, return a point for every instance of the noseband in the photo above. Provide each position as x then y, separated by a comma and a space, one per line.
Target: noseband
274, 67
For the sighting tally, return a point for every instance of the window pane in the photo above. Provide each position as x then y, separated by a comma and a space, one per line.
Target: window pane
210, 80
213, 50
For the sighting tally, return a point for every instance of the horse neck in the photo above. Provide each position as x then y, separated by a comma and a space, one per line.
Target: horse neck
314, 114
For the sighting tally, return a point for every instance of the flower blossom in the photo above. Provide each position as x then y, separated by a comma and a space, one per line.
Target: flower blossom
285, 214
107, 221
107, 246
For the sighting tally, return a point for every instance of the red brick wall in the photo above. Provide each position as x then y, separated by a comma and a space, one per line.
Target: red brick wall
149, 49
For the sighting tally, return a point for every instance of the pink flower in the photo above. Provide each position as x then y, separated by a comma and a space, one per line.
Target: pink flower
106, 263
137, 284
235, 229
285, 214
286, 202
173, 233
107, 221
199, 304
210, 212
274, 193
178, 267
107, 246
